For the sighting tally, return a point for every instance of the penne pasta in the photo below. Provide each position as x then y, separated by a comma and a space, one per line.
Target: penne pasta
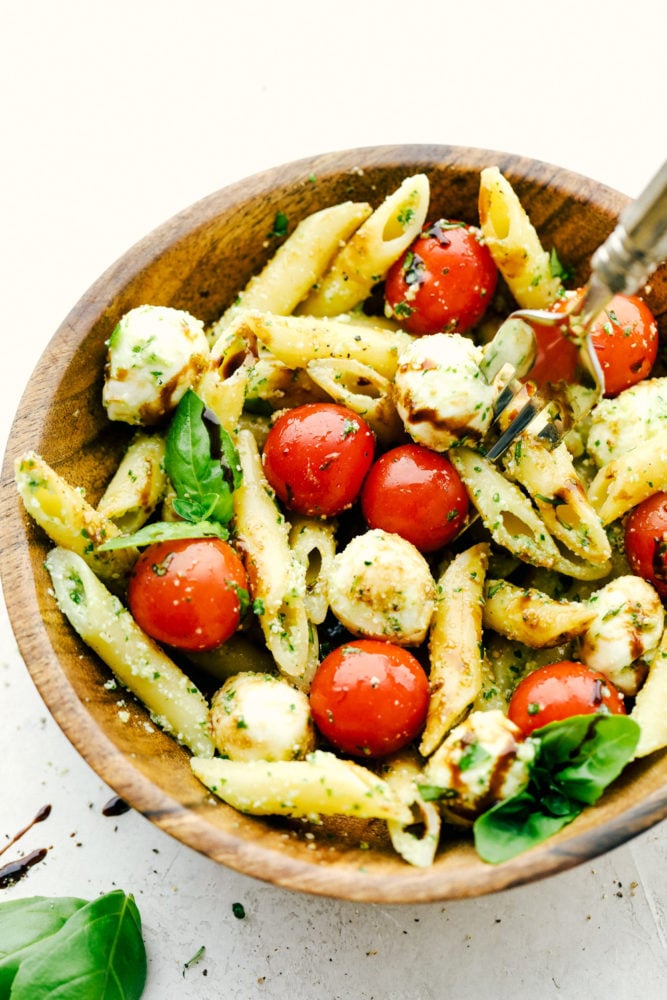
297, 340
313, 543
627, 480
506, 511
514, 243
416, 841
276, 577
138, 485
174, 702
559, 495
299, 263
69, 520
272, 385
531, 617
649, 707
320, 785
368, 255
455, 645
224, 384
361, 389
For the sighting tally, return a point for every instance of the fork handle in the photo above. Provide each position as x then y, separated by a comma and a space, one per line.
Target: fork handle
638, 244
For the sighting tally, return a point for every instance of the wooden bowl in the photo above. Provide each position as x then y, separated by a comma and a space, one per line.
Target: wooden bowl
197, 261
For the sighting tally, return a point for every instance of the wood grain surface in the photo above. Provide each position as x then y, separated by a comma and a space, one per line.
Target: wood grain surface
198, 261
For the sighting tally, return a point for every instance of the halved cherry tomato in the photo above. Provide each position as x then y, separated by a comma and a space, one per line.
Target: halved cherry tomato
189, 592
560, 690
369, 698
316, 457
416, 493
646, 541
625, 338
443, 282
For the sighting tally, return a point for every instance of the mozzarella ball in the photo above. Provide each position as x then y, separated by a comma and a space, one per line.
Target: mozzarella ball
482, 761
440, 392
154, 355
627, 626
257, 716
380, 587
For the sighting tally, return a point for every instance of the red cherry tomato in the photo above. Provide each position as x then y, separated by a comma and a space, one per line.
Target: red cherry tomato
416, 493
187, 592
369, 698
316, 457
560, 690
443, 282
646, 541
625, 338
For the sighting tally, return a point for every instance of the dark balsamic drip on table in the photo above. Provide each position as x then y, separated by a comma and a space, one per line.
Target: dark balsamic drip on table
14, 871
115, 807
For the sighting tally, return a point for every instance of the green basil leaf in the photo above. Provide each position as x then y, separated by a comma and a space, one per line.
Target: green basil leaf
98, 952
515, 824
606, 743
166, 531
576, 759
24, 923
196, 476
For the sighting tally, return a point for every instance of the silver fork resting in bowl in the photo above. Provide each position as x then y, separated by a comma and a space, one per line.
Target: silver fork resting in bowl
621, 265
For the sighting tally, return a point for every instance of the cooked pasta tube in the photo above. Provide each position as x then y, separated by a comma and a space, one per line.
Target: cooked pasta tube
514, 243
299, 263
368, 255
363, 390
276, 577
272, 385
138, 485
174, 702
313, 543
649, 708
69, 520
505, 510
529, 616
296, 340
455, 644
559, 495
320, 785
223, 385
627, 480
416, 841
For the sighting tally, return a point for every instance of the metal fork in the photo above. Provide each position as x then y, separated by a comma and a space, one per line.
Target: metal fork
622, 265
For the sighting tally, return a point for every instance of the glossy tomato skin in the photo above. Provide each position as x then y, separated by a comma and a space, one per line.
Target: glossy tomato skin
316, 457
646, 541
187, 592
369, 698
443, 282
559, 691
416, 493
625, 338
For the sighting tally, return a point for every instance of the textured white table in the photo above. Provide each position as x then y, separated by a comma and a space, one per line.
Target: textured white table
115, 116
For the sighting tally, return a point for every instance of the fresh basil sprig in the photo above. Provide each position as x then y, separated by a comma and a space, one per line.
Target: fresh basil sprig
204, 469
575, 761
46, 944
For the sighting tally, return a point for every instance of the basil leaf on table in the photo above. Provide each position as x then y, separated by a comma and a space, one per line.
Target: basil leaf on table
24, 923
97, 951
576, 759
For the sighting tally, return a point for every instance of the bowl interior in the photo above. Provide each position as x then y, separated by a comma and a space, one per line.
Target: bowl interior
198, 261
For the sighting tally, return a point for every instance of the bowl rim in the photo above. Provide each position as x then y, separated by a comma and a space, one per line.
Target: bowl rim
71, 715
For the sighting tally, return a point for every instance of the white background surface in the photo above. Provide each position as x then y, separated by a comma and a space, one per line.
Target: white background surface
115, 116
